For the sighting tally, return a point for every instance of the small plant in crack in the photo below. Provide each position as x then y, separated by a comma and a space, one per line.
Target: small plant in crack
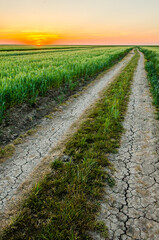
110, 180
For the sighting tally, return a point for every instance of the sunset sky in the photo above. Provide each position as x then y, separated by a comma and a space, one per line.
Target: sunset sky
40, 22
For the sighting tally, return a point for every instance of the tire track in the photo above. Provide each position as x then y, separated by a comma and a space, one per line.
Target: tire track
131, 210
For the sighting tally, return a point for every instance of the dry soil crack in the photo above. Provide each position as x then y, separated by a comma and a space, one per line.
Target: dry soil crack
131, 209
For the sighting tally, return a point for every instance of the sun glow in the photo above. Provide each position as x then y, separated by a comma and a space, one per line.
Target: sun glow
31, 38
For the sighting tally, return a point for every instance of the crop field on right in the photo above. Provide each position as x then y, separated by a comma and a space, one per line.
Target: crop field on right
152, 67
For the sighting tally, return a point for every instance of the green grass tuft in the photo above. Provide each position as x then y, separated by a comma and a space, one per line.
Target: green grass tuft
6, 152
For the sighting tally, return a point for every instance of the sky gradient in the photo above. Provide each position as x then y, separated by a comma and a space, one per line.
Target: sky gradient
40, 22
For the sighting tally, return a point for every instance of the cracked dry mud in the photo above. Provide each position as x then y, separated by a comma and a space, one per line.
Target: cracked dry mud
28, 155
131, 209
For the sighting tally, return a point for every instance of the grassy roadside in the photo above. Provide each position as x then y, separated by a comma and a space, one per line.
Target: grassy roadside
152, 68
64, 204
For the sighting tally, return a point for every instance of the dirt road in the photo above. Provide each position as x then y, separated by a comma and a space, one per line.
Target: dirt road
28, 155
131, 209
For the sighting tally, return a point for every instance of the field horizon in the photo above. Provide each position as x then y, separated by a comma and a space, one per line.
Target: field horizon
79, 120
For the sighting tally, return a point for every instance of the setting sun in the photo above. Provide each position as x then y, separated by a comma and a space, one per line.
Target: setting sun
32, 38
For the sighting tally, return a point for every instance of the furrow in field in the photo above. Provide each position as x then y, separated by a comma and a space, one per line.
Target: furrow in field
29, 154
131, 209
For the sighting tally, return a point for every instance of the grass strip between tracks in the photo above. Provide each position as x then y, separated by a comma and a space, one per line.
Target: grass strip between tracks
65, 204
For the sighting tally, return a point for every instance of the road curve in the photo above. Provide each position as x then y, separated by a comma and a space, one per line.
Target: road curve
28, 155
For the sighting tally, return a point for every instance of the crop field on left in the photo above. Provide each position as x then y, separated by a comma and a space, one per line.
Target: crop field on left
26, 73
